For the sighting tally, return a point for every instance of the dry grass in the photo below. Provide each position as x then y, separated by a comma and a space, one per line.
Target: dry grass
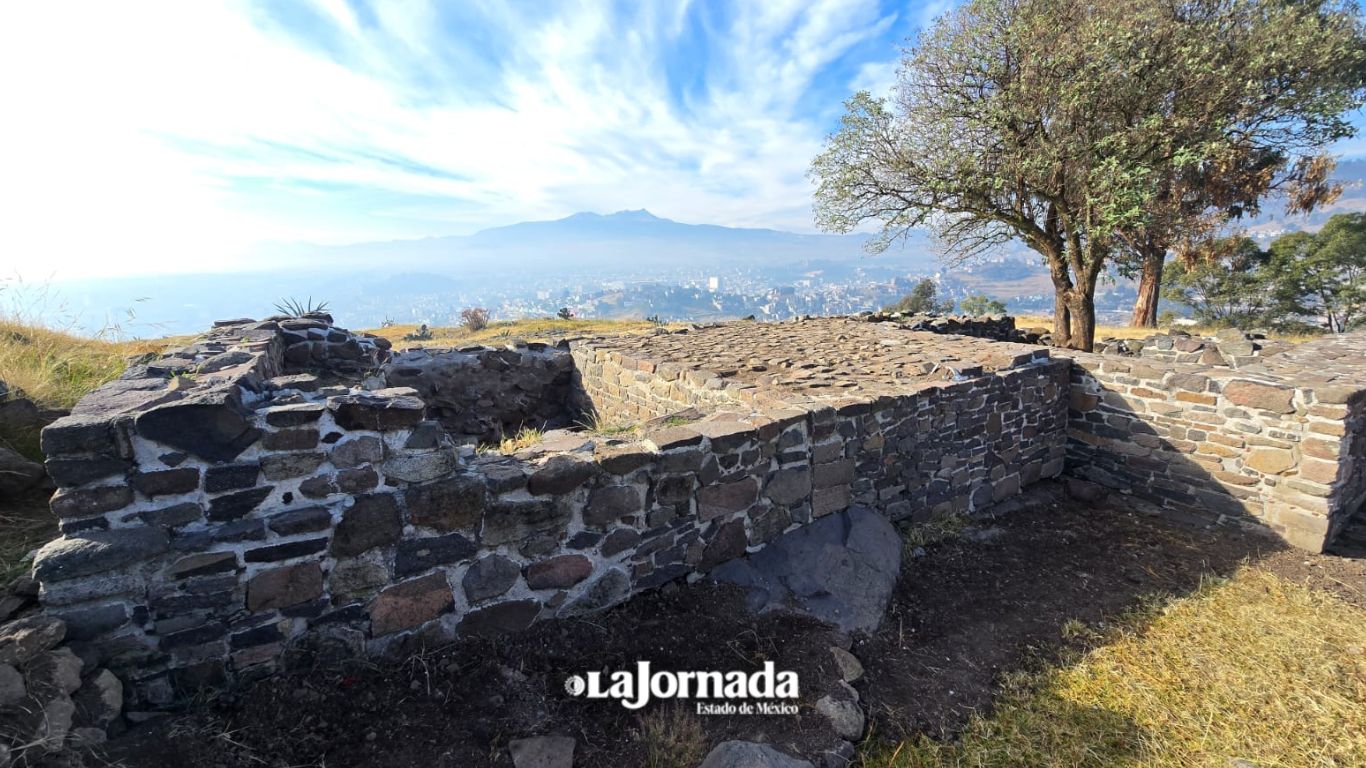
672, 738
1129, 332
23, 528
1250, 671
525, 438
503, 331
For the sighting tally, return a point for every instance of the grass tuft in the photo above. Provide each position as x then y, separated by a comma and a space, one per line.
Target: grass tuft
1252, 669
671, 737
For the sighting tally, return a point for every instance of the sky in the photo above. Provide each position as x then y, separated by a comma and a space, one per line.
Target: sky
167, 136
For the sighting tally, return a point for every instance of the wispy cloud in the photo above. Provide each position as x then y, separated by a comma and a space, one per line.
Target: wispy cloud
167, 135
170, 135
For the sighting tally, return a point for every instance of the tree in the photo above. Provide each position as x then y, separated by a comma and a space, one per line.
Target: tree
921, 300
565, 313
1230, 286
1063, 123
979, 304
475, 318
1325, 272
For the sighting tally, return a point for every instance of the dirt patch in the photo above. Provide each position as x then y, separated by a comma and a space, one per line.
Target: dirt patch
998, 597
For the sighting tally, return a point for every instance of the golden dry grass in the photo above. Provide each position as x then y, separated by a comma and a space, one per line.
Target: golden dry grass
503, 331
1252, 669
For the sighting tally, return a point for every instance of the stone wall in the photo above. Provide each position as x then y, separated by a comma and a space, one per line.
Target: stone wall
267, 489
220, 507
484, 394
1278, 444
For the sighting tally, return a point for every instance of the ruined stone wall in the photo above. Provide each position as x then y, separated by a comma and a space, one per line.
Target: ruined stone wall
1271, 445
484, 394
618, 388
219, 508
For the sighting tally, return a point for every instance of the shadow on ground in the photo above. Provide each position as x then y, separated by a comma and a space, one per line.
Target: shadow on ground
994, 599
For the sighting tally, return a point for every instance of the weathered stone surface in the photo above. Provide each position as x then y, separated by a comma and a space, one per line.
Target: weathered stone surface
789, 486
421, 467
366, 449
203, 564
376, 411
500, 618
356, 480
12, 688
560, 475
173, 516
229, 477
410, 604
558, 572
1266, 397
450, 504
64, 471
849, 666
1270, 460
282, 466
285, 586
511, 520
747, 754
303, 520
489, 577
728, 543
53, 673
610, 503
618, 541
726, 498
542, 752
606, 590
417, 555
290, 440
95, 552
166, 482
84, 502
287, 550
372, 521
295, 415
91, 434
232, 506
213, 426
23, 639
357, 577
844, 714
840, 569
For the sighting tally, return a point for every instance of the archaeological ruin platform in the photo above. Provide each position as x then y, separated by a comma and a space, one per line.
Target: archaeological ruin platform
289, 484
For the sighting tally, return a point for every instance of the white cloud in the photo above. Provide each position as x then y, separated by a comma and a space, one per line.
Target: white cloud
131, 127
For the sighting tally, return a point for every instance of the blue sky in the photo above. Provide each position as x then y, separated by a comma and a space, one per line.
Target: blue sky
169, 135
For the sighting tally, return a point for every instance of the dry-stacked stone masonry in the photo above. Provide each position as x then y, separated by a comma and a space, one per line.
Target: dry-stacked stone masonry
289, 484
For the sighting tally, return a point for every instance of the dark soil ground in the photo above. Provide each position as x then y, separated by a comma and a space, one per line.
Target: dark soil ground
991, 600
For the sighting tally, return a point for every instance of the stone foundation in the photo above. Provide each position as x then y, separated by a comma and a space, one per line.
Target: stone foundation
289, 484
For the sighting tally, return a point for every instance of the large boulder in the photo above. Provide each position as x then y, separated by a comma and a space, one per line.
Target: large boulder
17, 474
840, 569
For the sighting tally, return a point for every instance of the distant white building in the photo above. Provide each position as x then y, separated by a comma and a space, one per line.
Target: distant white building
714, 284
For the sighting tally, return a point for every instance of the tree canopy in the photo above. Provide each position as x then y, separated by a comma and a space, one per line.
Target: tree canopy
1063, 123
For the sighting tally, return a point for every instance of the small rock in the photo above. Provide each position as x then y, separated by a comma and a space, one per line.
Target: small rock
100, 700
542, 752
849, 666
54, 673
24, 639
12, 689
1083, 490
747, 754
843, 711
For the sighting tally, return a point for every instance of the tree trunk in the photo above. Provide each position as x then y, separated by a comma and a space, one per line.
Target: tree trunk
1149, 288
1062, 317
1082, 305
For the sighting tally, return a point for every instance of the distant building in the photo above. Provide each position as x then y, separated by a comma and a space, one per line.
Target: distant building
714, 284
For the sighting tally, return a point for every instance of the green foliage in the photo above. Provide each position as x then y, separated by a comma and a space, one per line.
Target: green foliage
921, 300
1067, 124
1325, 273
295, 308
980, 304
1320, 276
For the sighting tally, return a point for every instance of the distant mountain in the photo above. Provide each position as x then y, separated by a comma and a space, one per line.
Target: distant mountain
623, 242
